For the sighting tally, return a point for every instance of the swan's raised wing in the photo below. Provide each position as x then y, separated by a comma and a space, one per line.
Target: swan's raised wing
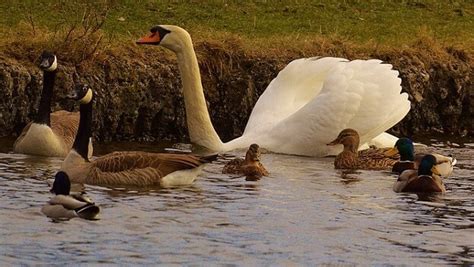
296, 85
361, 94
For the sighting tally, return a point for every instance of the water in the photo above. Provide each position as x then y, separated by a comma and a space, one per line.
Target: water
305, 213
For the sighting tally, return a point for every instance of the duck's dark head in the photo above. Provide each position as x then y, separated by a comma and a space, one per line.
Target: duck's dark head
253, 153
404, 147
62, 184
48, 61
428, 166
82, 92
169, 36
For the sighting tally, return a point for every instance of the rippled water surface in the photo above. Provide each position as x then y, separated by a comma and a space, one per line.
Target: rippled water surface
305, 213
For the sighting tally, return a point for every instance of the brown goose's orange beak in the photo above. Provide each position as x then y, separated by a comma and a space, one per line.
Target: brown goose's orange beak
152, 38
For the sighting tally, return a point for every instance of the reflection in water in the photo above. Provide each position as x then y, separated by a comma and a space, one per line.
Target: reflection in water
304, 213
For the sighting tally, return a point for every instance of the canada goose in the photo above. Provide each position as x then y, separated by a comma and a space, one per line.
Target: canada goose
49, 134
410, 161
424, 180
351, 158
126, 167
66, 206
307, 103
251, 166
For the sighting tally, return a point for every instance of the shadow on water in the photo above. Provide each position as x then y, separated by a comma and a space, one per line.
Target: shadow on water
304, 213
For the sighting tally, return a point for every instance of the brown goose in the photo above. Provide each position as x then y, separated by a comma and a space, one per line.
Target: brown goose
49, 134
350, 158
128, 167
251, 166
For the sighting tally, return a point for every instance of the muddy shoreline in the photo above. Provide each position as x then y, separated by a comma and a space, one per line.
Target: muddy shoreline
140, 99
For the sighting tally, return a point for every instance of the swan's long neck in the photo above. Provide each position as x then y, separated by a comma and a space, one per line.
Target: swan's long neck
199, 122
44, 110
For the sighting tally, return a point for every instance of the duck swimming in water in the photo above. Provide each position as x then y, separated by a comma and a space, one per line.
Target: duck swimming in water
424, 180
351, 158
410, 161
65, 206
251, 166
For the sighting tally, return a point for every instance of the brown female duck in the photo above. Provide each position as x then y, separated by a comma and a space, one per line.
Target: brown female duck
350, 158
251, 166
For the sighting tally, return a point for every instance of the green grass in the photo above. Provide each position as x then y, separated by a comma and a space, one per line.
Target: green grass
392, 23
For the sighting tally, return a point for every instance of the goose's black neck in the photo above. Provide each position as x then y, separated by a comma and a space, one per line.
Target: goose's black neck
84, 132
44, 110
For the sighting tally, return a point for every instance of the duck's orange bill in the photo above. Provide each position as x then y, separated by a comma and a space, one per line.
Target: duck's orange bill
392, 152
152, 38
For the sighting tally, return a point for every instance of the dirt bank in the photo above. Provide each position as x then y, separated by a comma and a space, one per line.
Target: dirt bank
139, 93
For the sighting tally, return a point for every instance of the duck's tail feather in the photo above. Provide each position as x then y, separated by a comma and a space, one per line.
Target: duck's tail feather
89, 212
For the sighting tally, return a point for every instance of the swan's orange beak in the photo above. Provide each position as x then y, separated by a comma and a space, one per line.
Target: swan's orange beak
152, 38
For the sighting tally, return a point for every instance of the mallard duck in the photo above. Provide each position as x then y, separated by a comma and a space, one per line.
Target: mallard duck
410, 161
124, 167
49, 134
350, 158
424, 180
251, 166
304, 104
66, 206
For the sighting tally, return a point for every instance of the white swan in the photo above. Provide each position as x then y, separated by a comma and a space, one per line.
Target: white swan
304, 107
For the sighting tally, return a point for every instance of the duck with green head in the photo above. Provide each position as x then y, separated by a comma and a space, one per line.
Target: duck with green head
404, 147
424, 180
410, 161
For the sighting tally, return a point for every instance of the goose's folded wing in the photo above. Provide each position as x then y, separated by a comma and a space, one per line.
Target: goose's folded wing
65, 124
131, 160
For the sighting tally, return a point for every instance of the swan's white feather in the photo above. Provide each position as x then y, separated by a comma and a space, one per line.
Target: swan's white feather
312, 100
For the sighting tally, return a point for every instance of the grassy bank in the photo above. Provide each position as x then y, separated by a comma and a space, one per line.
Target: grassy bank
82, 29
